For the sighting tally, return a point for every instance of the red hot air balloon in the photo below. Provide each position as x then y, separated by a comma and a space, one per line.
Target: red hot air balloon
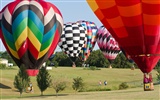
135, 24
30, 31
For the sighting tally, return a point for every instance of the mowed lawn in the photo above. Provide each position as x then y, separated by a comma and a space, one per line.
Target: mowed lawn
91, 78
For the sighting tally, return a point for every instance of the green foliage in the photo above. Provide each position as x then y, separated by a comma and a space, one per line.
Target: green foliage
121, 62
91, 68
96, 58
43, 80
123, 85
78, 84
97, 89
21, 80
59, 85
55, 63
158, 74
3, 66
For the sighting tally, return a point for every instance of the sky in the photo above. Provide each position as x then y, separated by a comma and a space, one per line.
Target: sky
72, 11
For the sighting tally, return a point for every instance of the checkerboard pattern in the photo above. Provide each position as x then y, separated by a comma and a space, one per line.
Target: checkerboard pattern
73, 39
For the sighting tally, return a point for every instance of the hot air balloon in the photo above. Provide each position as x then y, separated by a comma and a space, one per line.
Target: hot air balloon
107, 44
91, 30
72, 40
135, 24
30, 32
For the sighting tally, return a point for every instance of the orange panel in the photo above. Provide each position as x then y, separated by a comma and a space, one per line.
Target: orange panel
151, 19
99, 14
151, 1
115, 22
103, 4
130, 10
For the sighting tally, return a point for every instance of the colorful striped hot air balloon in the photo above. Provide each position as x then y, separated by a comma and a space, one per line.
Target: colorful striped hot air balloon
91, 30
135, 24
30, 31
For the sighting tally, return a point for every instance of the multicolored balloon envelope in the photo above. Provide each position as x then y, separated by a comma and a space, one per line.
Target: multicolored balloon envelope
73, 39
91, 30
107, 44
135, 24
30, 31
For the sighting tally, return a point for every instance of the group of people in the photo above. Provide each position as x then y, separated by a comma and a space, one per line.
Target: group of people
105, 82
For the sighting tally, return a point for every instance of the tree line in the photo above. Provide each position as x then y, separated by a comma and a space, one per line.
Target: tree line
96, 58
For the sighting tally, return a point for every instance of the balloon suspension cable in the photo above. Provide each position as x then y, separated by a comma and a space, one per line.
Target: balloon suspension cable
73, 65
110, 66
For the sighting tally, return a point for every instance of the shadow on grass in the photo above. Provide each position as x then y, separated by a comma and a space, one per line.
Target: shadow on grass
42, 96
4, 86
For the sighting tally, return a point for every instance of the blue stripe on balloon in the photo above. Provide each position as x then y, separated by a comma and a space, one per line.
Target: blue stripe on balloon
7, 34
36, 20
49, 34
19, 19
32, 16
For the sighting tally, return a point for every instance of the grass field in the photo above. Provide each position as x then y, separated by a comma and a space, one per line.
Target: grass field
114, 77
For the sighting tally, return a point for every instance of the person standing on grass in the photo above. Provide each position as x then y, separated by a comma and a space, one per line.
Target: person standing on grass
31, 87
105, 82
100, 83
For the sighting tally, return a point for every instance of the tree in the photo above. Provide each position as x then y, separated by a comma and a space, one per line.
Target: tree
6, 55
158, 74
77, 84
21, 80
43, 79
59, 85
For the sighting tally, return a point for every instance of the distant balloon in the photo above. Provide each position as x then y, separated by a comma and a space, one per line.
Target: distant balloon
30, 31
107, 44
72, 40
91, 30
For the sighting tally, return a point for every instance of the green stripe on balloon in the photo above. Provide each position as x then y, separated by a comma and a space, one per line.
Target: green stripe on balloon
35, 30
20, 29
47, 43
10, 43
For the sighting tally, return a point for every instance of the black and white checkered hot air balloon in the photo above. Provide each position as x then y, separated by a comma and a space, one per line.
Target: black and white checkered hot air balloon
72, 40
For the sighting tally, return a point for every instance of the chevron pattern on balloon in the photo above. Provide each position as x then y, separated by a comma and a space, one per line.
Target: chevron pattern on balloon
30, 28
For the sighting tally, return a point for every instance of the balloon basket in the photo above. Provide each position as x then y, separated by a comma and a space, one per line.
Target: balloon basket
148, 87
148, 83
32, 72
